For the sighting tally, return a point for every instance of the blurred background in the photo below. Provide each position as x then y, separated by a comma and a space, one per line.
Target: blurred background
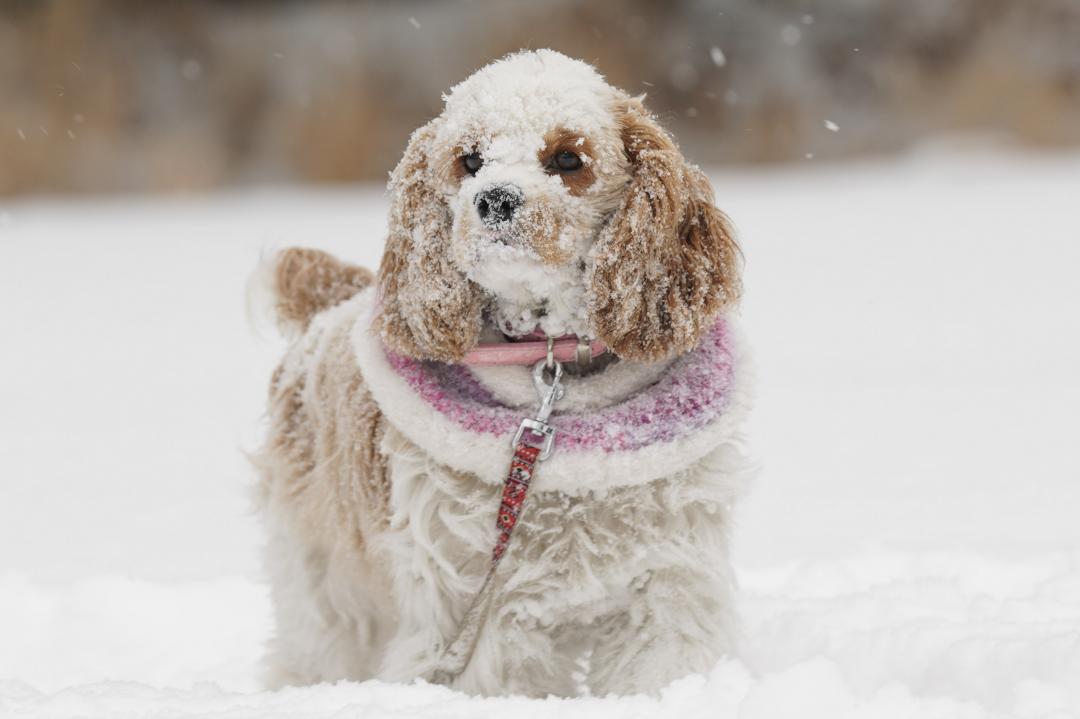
128, 95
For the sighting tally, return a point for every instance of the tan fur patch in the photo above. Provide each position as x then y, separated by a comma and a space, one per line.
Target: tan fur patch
428, 309
453, 164
540, 225
307, 282
322, 452
667, 263
559, 140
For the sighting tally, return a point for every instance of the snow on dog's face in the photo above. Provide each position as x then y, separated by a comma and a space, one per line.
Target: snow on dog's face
542, 197
532, 163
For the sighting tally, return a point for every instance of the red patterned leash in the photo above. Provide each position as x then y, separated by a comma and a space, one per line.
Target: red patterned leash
459, 651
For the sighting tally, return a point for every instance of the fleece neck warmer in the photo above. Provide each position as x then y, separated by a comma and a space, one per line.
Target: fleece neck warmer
658, 431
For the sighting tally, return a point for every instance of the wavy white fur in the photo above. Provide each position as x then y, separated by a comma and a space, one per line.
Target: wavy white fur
621, 586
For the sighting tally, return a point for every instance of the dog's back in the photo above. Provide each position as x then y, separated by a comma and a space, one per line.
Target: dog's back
323, 488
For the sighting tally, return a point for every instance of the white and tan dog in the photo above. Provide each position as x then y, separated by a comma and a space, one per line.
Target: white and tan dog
541, 199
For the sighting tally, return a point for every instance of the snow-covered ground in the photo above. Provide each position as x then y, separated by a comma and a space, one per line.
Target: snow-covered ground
911, 549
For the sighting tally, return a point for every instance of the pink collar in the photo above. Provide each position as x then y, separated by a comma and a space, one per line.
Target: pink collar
528, 352
524, 352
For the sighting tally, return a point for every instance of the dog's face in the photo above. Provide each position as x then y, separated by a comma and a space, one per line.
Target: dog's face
543, 198
531, 164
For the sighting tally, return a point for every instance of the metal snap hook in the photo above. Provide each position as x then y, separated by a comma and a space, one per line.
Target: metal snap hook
548, 394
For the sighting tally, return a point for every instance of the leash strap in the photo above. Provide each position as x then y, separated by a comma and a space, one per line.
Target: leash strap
515, 487
455, 657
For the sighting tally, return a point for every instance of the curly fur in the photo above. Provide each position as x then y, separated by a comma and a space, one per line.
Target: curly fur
376, 550
429, 308
667, 263
306, 282
375, 546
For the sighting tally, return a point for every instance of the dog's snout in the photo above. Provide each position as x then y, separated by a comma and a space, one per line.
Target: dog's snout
498, 204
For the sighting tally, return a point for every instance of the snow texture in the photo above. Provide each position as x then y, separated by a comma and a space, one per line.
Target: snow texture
910, 548
941, 635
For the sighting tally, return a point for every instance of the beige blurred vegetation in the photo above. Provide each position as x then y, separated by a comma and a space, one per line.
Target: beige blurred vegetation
129, 95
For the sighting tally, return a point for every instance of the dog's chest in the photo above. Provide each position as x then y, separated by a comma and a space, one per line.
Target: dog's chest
578, 555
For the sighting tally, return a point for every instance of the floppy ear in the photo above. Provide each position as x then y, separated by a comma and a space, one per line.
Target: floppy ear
428, 309
666, 263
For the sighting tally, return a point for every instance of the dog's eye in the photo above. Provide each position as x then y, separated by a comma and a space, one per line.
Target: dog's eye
567, 161
472, 162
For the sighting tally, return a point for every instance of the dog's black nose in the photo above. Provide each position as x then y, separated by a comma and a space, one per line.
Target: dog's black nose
498, 204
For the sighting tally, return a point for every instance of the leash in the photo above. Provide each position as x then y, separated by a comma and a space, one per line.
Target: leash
532, 443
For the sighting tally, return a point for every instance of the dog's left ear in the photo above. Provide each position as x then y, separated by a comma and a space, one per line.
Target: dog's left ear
427, 308
667, 262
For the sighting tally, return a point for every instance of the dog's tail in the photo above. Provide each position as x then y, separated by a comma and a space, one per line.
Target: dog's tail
300, 283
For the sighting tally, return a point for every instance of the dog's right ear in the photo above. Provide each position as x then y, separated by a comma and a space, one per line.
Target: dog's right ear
427, 308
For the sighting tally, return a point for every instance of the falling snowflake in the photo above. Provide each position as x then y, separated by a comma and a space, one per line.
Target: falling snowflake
683, 76
718, 57
831, 126
191, 69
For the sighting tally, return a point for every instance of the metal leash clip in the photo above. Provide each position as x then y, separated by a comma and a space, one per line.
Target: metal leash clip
548, 394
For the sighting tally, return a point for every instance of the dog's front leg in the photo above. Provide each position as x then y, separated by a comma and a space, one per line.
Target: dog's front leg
519, 653
437, 547
679, 621
516, 651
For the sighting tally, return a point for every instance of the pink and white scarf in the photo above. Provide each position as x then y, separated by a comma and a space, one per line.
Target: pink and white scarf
696, 405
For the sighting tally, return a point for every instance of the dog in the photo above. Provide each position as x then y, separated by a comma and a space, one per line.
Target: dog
541, 203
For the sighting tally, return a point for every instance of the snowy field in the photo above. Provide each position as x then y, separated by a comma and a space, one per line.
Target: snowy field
911, 548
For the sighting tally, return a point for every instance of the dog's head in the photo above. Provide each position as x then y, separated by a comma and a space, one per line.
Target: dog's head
542, 197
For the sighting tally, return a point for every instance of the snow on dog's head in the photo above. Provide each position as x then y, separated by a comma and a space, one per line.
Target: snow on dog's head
542, 197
